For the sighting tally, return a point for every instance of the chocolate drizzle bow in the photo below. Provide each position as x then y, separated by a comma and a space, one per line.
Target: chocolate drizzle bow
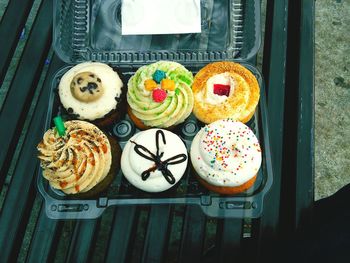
156, 158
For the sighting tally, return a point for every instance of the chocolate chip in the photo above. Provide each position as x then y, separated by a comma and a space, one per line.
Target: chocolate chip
92, 85
99, 80
92, 75
79, 80
83, 89
75, 116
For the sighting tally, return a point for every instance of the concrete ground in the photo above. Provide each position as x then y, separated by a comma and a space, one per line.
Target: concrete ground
332, 96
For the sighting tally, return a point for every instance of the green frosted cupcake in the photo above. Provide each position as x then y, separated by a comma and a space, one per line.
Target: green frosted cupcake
160, 95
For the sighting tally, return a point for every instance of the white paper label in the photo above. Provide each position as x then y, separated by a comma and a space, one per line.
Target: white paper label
144, 17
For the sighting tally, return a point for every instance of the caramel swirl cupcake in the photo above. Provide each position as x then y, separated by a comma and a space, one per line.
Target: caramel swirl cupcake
82, 161
91, 91
225, 90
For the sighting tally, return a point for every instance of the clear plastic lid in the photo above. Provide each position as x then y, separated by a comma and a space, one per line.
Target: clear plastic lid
91, 30
188, 191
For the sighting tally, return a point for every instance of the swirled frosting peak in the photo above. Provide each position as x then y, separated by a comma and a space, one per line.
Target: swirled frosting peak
77, 161
160, 94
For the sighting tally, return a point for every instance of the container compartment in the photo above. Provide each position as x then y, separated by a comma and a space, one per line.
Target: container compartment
188, 191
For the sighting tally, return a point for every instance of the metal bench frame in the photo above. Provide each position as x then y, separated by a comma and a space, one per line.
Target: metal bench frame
288, 68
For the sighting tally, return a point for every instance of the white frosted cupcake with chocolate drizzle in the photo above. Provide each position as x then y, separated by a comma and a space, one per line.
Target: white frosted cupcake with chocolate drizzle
91, 91
154, 160
83, 161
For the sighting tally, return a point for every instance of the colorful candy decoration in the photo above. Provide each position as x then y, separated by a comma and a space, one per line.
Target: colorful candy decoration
158, 75
159, 95
150, 84
59, 126
168, 84
159, 86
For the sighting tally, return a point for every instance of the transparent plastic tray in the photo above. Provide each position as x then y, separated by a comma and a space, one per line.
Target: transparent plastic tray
188, 191
91, 30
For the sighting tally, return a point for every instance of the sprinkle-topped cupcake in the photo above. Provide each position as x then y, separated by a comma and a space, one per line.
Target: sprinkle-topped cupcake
226, 155
160, 95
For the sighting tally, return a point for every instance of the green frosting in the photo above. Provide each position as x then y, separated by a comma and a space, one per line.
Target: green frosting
174, 109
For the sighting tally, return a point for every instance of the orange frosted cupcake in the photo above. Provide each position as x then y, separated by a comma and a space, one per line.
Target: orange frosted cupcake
225, 90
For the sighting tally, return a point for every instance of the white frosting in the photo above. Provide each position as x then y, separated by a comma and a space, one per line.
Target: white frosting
96, 109
132, 164
208, 93
226, 153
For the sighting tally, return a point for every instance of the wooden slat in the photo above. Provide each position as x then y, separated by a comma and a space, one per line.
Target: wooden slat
123, 229
229, 241
192, 235
274, 70
11, 26
157, 234
21, 193
44, 240
305, 142
23, 85
45, 229
82, 241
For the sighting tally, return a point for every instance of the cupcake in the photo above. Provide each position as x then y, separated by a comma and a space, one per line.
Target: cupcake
91, 91
82, 162
159, 95
154, 160
226, 156
225, 90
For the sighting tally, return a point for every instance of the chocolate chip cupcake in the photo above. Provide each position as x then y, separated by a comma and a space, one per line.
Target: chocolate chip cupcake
83, 162
92, 91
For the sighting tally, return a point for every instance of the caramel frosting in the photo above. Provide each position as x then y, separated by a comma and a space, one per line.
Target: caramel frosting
79, 160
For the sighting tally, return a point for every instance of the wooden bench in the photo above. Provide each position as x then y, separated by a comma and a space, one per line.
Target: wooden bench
157, 233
